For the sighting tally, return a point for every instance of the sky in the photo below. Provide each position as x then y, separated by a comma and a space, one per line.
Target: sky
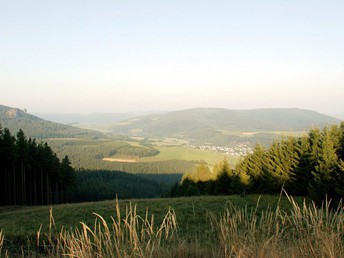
116, 56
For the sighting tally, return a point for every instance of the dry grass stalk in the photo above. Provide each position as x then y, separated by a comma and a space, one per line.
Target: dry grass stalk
131, 236
305, 231
1, 241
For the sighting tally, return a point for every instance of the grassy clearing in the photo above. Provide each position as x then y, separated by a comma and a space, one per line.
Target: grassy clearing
168, 142
233, 226
178, 153
170, 153
126, 159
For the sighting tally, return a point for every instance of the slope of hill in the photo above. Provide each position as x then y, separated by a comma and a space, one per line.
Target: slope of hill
217, 125
35, 127
89, 119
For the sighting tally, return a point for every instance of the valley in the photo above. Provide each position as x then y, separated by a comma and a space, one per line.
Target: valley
140, 165
163, 142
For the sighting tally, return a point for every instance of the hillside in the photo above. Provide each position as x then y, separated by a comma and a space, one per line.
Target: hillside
35, 127
95, 119
222, 125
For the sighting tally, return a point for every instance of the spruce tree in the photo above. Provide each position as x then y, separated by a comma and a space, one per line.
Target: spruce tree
302, 174
253, 166
325, 164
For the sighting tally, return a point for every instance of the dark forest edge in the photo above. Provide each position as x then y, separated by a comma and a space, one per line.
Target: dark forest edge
312, 165
31, 174
99, 185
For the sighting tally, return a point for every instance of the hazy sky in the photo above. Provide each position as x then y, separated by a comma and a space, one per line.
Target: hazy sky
135, 55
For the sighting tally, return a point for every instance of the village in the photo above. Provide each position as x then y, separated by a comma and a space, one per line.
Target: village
238, 150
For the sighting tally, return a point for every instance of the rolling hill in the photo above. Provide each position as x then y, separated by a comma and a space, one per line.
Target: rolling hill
221, 126
35, 127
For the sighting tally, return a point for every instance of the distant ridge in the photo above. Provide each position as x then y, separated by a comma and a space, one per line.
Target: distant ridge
35, 127
214, 124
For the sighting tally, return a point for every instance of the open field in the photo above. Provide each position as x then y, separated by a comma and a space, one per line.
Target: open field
178, 153
222, 226
190, 154
125, 160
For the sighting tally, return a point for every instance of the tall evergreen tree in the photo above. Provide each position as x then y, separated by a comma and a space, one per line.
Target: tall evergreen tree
302, 175
280, 163
30, 174
325, 164
253, 166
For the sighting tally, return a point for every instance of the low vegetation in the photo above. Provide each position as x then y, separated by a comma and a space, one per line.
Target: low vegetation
242, 227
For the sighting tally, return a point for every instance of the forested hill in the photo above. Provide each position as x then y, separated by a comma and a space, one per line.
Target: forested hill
35, 127
210, 121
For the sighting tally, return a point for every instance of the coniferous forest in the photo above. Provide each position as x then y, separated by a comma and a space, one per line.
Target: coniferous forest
312, 165
30, 172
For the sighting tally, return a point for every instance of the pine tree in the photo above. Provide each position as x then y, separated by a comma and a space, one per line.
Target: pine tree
325, 164
66, 177
253, 166
200, 173
302, 174
280, 163
29, 173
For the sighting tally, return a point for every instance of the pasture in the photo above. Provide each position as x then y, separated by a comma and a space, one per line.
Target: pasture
220, 226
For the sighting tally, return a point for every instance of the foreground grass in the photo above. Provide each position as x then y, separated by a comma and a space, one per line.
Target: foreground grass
194, 227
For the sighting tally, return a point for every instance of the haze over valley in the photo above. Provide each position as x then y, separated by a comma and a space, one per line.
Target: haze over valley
176, 128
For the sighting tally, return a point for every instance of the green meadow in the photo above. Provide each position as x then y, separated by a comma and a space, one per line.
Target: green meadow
218, 226
190, 154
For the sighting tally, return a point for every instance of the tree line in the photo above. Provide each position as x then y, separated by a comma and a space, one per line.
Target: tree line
98, 185
30, 172
312, 165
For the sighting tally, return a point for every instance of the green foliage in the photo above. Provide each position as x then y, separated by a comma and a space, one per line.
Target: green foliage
325, 163
30, 173
200, 173
88, 154
253, 169
310, 166
107, 185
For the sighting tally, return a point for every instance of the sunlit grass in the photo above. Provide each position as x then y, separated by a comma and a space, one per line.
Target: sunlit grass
223, 226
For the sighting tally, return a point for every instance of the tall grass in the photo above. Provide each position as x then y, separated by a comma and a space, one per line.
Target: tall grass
1, 241
131, 236
306, 231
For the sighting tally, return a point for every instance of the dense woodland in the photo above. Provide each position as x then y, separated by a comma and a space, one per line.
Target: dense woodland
97, 185
89, 153
30, 172
312, 166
